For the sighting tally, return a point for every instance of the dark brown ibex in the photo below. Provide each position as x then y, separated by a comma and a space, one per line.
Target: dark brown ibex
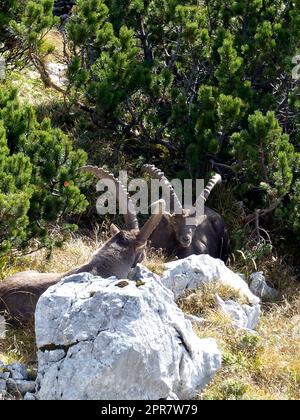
19, 294
176, 237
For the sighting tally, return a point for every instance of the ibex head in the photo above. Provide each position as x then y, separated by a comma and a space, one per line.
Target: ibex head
184, 232
181, 222
126, 247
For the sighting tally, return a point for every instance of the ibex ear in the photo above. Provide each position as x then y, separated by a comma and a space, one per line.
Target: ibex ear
114, 230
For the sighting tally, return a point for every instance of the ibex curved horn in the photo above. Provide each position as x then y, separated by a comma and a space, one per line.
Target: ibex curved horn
213, 182
158, 174
125, 201
158, 209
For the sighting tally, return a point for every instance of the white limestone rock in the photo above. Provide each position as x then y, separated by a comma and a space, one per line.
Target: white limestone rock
19, 386
17, 371
243, 316
119, 343
142, 273
197, 270
29, 397
260, 288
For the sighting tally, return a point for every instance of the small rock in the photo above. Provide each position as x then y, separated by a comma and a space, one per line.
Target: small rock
57, 73
243, 316
17, 371
122, 284
141, 273
4, 375
29, 397
260, 288
16, 387
172, 397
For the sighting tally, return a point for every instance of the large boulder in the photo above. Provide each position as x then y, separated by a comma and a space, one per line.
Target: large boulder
118, 340
198, 270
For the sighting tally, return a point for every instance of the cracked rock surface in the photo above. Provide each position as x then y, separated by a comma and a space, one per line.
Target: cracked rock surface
98, 340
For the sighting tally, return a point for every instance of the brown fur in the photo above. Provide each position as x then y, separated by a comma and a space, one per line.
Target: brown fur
19, 294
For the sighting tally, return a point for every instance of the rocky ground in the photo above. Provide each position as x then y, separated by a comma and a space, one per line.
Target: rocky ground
17, 382
257, 342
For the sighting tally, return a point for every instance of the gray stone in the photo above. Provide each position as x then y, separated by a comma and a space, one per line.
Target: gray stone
11, 386
4, 375
260, 288
18, 386
2, 385
197, 270
57, 73
29, 397
17, 371
141, 273
243, 316
120, 343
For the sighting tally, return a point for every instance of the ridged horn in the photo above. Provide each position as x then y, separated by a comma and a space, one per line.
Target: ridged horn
213, 182
158, 209
125, 201
158, 174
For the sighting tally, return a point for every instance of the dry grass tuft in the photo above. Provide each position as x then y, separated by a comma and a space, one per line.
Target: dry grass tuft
155, 261
19, 346
203, 300
78, 250
54, 40
262, 367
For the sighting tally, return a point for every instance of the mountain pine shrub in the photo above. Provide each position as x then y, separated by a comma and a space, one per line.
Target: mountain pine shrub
39, 179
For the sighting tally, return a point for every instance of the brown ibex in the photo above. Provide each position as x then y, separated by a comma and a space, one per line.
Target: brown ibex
174, 234
19, 294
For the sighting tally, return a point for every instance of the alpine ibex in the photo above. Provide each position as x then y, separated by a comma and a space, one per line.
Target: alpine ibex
176, 237
19, 294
